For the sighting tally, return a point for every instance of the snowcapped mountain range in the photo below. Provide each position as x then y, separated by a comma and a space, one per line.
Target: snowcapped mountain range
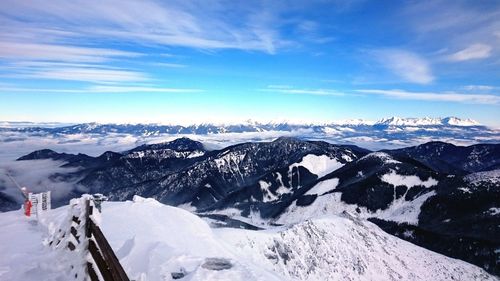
427, 121
247, 126
18, 138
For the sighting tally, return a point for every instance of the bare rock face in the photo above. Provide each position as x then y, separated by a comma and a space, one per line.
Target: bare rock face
217, 264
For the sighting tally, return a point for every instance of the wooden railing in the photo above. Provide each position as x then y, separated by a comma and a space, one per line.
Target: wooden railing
106, 263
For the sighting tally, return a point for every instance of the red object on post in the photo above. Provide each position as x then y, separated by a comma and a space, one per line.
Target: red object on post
27, 208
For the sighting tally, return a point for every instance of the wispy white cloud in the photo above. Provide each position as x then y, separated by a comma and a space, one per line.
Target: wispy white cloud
72, 71
93, 75
311, 32
204, 25
39, 90
170, 65
479, 88
307, 26
136, 89
167, 55
61, 53
65, 62
279, 86
435, 96
293, 91
85, 41
26, 65
454, 24
101, 89
407, 65
474, 51
429, 16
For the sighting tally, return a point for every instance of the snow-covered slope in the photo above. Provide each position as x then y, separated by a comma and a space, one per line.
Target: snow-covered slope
344, 248
23, 254
153, 241
492, 177
320, 165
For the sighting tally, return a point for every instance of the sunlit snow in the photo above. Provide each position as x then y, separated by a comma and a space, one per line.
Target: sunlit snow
408, 181
318, 165
323, 186
153, 240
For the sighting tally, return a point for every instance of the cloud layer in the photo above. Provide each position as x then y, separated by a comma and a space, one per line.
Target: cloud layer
174, 23
436, 96
474, 51
407, 65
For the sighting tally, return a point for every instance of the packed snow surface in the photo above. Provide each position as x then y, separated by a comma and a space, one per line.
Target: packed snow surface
408, 181
399, 210
384, 157
319, 165
403, 211
492, 177
154, 241
268, 195
494, 211
344, 248
323, 187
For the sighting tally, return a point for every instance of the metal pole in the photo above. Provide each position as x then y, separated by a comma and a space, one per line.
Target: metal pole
18, 186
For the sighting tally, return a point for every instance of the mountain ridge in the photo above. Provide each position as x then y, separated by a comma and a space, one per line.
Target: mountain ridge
248, 125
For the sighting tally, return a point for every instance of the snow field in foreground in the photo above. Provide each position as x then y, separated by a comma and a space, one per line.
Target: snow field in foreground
153, 241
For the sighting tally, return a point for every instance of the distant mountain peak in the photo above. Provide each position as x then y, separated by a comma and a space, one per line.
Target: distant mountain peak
460, 122
180, 144
352, 122
51, 154
185, 143
40, 154
427, 121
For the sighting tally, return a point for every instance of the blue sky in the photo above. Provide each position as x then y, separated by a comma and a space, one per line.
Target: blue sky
227, 61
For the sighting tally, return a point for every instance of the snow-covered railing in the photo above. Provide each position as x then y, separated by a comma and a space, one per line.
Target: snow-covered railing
90, 254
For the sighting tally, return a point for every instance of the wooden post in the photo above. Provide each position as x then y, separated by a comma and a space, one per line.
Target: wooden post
88, 213
107, 263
